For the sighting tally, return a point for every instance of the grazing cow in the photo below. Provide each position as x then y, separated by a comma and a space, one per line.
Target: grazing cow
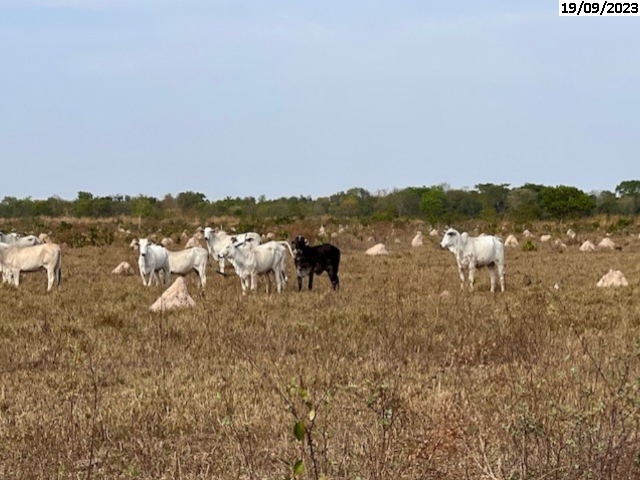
189, 260
14, 260
315, 260
251, 260
152, 259
218, 240
475, 252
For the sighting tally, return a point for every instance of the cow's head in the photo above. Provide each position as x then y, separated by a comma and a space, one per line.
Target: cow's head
143, 245
229, 249
450, 239
213, 234
299, 243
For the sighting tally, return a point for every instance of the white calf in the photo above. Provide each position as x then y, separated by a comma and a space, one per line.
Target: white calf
14, 260
250, 261
152, 259
475, 252
186, 261
218, 240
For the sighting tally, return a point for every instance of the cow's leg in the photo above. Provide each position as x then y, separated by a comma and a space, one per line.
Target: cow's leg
311, 280
492, 274
144, 280
254, 282
267, 282
333, 276
501, 275
278, 273
299, 275
221, 265
203, 275
50, 278
15, 275
461, 273
472, 276
167, 276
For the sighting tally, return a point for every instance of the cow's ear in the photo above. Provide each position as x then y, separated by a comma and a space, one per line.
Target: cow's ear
306, 242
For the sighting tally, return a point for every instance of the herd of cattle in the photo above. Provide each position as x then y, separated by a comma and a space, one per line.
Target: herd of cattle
246, 253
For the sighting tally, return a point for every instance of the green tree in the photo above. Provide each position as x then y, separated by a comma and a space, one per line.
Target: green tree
463, 204
606, 202
83, 206
434, 203
144, 206
522, 205
628, 188
565, 202
494, 196
189, 201
629, 193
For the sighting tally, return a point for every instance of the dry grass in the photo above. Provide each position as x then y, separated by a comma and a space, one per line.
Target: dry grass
390, 379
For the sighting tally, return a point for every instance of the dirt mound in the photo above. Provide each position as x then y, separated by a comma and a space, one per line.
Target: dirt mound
124, 268
417, 240
378, 249
176, 296
614, 278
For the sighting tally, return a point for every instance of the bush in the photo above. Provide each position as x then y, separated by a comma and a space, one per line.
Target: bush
529, 246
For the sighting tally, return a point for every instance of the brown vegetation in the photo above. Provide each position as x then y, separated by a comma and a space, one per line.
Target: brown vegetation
385, 379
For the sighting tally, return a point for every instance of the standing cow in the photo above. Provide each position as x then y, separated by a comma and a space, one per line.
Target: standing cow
190, 260
152, 259
315, 260
218, 240
14, 259
475, 252
251, 260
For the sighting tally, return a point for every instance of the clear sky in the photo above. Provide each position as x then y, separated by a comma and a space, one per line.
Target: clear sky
291, 97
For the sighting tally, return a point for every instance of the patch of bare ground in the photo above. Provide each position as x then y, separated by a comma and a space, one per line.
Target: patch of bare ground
384, 379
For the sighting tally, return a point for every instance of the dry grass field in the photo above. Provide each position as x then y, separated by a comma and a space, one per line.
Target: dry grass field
386, 379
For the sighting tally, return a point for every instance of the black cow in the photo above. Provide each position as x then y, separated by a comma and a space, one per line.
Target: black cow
310, 260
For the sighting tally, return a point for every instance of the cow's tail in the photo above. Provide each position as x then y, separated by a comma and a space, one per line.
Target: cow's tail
59, 269
282, 242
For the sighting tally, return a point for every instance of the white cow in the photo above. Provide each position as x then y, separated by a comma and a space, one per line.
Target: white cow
251, 260
475, 252
152, 259
18, 241
184, 262
218, 240
14, 259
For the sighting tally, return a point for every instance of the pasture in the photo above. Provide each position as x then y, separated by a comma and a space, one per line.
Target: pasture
385, 379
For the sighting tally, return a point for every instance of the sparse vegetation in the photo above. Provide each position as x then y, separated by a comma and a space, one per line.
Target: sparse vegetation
438, 204
384, 379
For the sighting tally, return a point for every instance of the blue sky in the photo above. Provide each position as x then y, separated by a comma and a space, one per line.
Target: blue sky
282, 98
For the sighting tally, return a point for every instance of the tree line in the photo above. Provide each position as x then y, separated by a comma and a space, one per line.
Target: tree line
437, 203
